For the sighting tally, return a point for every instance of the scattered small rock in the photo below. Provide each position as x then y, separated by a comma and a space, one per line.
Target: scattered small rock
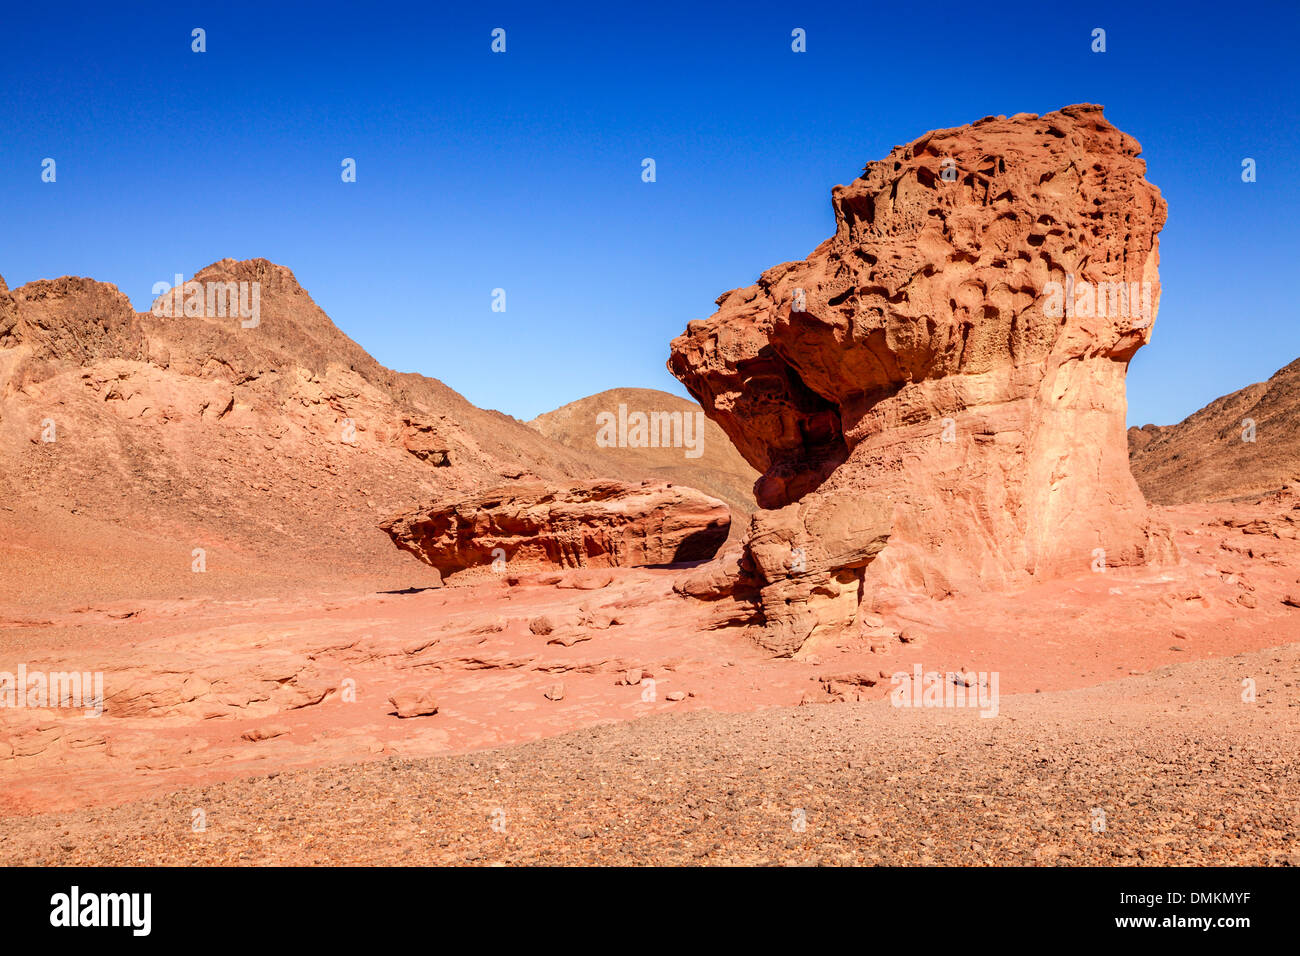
264, 733
413, 702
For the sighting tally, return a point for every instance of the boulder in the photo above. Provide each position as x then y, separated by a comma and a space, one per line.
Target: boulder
414, 702
423, 441
594, 524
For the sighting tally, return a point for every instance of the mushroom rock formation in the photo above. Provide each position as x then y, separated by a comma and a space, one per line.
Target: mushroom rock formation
598, 524
947, 370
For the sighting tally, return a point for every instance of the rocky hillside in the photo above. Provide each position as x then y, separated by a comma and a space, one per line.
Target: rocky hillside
281, 438
1210, 455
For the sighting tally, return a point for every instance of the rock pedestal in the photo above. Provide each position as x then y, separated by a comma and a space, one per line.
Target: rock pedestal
948, 368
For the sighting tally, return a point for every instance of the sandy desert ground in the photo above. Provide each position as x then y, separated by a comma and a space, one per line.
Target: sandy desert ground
234, 706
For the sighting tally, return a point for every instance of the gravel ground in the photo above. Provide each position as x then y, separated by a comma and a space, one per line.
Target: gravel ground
1182, 769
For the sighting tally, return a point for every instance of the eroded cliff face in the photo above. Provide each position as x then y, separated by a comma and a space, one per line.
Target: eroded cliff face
953, 356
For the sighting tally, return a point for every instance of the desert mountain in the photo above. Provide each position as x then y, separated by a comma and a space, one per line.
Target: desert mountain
277, 440
712, 464
1240, 444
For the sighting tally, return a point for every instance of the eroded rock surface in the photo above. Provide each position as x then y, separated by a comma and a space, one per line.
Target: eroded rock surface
954, 355
598, 524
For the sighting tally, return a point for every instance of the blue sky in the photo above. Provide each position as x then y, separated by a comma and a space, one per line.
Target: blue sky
522, 171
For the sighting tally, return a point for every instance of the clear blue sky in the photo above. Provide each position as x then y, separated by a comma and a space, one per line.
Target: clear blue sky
523, 171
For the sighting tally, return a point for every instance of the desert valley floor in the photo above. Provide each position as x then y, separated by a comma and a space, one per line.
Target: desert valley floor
541, 751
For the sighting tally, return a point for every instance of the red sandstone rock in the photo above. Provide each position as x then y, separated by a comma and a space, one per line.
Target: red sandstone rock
422, 440
598, 524
711, 464
414, 702
915, 363
259, 734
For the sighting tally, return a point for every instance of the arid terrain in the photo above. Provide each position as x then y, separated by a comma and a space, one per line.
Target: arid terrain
1237, 446
1184, 773
343, 616
1120, 690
